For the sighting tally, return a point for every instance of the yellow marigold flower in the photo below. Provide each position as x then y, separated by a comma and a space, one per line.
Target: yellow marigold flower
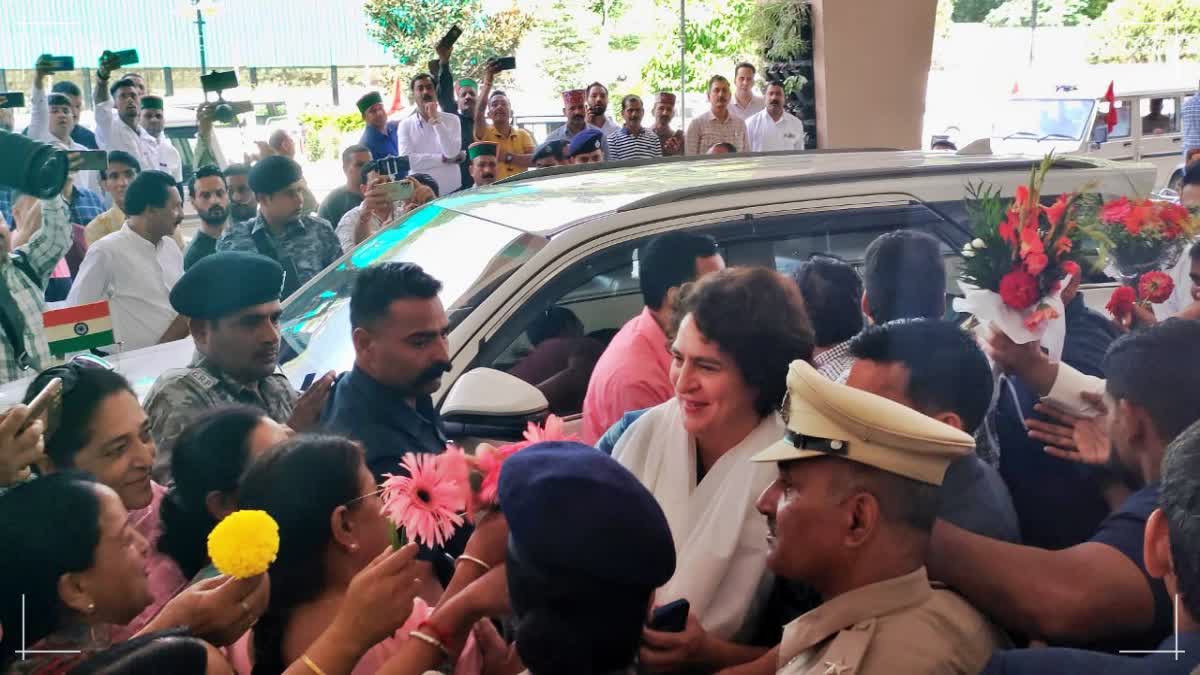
244, 544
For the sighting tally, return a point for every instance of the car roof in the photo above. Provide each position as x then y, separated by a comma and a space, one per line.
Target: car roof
1078, 95
548, 201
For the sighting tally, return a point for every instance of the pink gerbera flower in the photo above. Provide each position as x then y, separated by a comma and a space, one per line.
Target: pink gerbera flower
426, 503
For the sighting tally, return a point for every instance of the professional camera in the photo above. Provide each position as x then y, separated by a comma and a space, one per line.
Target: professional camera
31, 167
225, 111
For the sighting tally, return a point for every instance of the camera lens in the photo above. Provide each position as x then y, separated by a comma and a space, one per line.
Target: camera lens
33, 168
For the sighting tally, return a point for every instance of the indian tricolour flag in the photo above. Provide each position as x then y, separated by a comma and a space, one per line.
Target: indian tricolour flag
79, 328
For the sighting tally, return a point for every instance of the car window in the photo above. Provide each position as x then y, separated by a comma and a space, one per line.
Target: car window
1122, 129
1165, 120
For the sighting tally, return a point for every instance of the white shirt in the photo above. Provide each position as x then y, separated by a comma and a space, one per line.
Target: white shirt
169, 161
767, 135
609, 127
744, 112
114, 134
426, 144
136, 277
39, 130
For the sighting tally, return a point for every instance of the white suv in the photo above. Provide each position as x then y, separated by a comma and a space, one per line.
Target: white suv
567, 237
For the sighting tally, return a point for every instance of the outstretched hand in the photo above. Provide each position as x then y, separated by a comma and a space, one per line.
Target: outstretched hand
1076, 439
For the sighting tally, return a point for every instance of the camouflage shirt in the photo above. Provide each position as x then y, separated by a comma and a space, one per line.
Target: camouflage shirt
308, 245
181, 395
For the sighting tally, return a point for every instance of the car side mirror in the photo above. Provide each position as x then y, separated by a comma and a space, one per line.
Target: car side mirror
490, 404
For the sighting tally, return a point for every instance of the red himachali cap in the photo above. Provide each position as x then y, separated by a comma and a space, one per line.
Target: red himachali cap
573, 97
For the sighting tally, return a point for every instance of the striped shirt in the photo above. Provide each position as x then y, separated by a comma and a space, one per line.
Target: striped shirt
624, 145
1191, 124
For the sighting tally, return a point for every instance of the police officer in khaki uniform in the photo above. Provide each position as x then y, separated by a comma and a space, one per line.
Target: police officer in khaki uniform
850, 514
232, 302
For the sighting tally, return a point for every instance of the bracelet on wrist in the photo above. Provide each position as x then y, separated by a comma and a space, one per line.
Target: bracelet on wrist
311, 665
472, 559
430, 640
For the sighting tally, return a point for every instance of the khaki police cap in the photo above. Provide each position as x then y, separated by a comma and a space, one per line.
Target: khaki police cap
825, 419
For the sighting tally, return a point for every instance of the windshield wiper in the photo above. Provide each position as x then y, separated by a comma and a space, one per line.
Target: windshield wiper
1063, 137
1019, 133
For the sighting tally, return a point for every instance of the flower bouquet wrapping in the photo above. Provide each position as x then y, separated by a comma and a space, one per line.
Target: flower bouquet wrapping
441, 492
1144, 235
1014, 269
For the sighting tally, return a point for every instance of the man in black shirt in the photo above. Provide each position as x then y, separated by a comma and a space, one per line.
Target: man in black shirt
350, 195
399, 330
210, 198
457, 98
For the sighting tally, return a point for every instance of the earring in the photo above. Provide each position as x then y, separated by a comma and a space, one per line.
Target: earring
90, 608
353, 547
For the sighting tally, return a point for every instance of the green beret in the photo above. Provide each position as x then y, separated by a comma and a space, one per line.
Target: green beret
223, 283
152, 102
364, 104
468, 83
272, 174
481, 148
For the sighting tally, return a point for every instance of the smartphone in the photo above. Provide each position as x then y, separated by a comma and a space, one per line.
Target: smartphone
93, 160
450, 37
506, 63
12, 99
395, 167
59, 64
399, 190
42, 404
126, 57
219, 81
671, 617
308, 380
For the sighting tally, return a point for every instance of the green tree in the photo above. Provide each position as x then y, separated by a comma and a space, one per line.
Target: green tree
1018, 13
410, 29
566, 49
607, 9
711, 46
1147, 31
973, 11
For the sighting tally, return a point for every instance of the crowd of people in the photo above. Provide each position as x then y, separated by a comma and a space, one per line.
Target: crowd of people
833, 476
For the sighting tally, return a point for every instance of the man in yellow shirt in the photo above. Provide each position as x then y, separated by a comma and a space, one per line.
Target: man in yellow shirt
514, 147
115, 179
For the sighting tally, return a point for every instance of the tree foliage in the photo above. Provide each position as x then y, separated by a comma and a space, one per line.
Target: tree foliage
1148, 31
973, 11
566, 49
1018, 13
713, 45
410, 29
607, 9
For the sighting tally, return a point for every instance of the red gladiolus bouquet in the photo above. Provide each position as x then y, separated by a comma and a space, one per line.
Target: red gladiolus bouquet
1152, 288
1144, 235
1013, 270
439, 492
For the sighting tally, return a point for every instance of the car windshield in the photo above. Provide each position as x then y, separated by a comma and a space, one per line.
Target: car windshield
1041, 118
470, 256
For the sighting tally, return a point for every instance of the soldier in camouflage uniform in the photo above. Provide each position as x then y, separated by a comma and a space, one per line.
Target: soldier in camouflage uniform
232, 301
303, 245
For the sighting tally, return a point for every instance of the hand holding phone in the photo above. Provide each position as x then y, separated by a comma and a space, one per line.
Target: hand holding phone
506, 63
671, 617
92, 160
12, 99
448, 40
21, 444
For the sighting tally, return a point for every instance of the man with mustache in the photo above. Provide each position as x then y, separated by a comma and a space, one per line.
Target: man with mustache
210, 198
430, 139
136, 267
774, 128
514, 147
576, 112
231, 301
457, 97
242, 206
483, 162
633, 141
124, 131
399, 329
664, 112
718, 124
597, 101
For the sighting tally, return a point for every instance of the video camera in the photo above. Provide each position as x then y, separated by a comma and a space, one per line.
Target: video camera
225, 111
32, 168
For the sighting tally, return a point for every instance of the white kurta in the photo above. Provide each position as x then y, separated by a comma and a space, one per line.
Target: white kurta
169, 161
1181, 296
136, 277
767, 135
39, 130
426, 145
720, 538
113, 134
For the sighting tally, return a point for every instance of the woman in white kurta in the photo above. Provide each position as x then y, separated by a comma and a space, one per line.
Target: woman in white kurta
738, 330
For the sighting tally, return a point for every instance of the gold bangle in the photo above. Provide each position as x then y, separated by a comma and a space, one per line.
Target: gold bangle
429, 640
311, 665
470, 558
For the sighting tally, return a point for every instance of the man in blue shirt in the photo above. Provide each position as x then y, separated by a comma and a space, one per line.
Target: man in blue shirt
1099, 593
381, 136
1172, 547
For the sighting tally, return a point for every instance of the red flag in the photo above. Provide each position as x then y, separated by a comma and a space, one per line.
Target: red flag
397, 97
1111, 118
1016, 88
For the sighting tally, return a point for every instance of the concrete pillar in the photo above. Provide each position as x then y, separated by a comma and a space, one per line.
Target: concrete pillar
871, 63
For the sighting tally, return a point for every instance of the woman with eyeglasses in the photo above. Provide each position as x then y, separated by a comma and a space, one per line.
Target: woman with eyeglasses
325, 500
101, 429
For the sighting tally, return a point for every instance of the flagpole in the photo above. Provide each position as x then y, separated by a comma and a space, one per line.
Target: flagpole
682, 63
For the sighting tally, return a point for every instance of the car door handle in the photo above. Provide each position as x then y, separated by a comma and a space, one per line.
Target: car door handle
1177, 139
1127, 144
